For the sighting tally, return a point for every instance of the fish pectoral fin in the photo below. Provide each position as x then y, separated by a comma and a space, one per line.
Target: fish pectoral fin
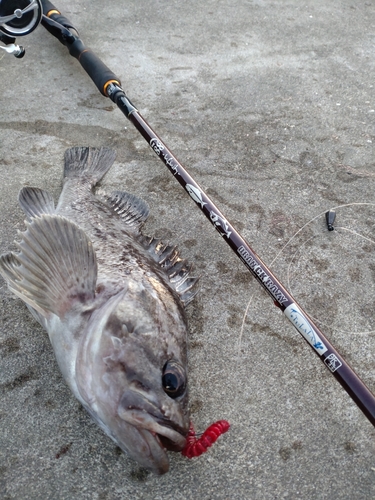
35, 202
10, 269
56, 266
131, 209
40, 318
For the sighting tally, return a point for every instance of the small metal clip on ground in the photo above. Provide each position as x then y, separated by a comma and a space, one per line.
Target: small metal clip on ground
330, 219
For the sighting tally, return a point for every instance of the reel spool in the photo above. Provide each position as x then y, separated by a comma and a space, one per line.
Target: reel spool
19, 17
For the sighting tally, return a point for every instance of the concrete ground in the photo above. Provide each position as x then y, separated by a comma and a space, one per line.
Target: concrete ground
271, 107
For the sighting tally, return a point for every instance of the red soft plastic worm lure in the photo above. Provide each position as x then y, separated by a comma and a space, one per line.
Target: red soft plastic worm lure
197, 446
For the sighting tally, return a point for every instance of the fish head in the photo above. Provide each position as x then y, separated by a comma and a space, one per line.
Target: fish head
131, 373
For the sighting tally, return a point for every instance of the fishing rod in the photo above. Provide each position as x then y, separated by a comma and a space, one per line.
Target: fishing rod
30, 13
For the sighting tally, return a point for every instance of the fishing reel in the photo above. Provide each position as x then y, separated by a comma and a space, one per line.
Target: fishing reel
18, 18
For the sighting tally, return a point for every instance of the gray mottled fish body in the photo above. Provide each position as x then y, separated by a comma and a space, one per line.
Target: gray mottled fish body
112, 302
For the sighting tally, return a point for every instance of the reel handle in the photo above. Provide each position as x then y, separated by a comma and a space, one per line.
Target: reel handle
16, 19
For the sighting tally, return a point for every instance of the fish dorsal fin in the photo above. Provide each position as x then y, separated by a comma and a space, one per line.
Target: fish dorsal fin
35, 202
87, 163
178, 270
56, 266
131, 209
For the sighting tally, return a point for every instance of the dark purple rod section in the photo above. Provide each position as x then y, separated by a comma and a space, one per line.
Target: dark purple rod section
109, 85
339, 368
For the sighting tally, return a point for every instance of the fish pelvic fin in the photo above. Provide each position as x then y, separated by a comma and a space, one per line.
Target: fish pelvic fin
55, 268
88, 163
35, 202
178, 270
132, 210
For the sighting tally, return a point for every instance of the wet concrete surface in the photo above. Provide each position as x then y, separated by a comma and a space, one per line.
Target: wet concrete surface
270, 105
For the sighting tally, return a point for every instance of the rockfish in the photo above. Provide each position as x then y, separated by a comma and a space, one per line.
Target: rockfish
112, 302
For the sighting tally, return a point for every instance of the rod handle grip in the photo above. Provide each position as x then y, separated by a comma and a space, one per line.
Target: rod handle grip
99, 73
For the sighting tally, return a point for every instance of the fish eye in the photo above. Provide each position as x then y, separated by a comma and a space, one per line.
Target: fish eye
173, 379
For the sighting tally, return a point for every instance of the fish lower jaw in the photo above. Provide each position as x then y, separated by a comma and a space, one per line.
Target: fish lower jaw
156, 458
166, 437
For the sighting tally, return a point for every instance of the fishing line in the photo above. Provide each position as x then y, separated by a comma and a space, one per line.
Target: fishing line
289, 274
322, 214
319, 216
319, 321
356, 234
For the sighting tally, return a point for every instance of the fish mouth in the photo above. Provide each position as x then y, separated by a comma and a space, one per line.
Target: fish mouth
158, 434
168, 437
